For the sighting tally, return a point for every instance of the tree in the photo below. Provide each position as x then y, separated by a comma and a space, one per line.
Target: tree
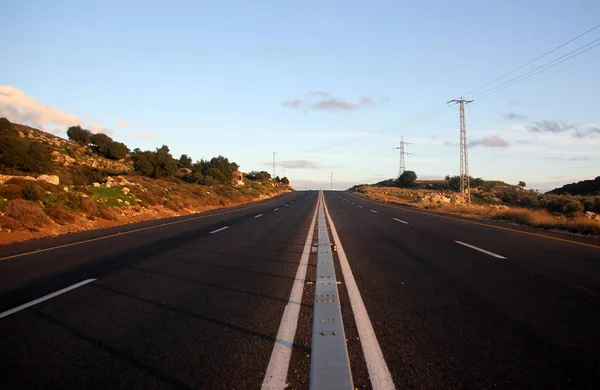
102, 142
79, 135
24, 155
117, 151
185, 161
154, 164
285, 181
407, 179
522, 184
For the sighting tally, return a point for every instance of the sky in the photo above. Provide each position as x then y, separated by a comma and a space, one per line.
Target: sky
330, 85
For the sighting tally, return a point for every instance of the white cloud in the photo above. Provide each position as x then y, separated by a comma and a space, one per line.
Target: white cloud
123, 123
145, 135
18, 107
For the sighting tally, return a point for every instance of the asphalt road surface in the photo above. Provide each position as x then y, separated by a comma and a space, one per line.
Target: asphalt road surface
225, 300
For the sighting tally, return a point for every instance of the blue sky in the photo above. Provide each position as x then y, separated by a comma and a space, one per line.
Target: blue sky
245, 78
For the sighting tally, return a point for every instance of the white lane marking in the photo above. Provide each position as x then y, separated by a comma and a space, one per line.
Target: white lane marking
481, 250
376, 365
399, 220
218, 230
286, 205
276, 375
373, 211
258, 216
276, 209
360, 206
45, 298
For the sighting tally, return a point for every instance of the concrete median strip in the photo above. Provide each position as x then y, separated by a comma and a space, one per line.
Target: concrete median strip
276, 374
379, 373
44, 298
480, 250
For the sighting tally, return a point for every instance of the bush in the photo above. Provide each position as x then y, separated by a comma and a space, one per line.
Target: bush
24, 155
59, 214
28, 214
107, 213
32, 191
9, 223
156, 165
11, 191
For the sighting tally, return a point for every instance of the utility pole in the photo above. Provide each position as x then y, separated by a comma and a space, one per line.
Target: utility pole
465, 186
331, 178
402, 166
274, 164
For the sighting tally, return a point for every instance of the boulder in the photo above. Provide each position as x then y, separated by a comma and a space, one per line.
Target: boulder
52, 179
125, 190
96, 184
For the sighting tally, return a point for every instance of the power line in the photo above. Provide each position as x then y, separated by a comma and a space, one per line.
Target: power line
532, 61
539, 69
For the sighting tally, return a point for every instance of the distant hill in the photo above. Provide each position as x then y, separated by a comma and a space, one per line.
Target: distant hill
585, 187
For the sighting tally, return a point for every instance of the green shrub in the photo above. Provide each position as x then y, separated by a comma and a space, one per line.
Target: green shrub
27, 156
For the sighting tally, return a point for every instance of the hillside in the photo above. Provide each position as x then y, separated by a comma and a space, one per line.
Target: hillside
494, 200
584, 187
50, 185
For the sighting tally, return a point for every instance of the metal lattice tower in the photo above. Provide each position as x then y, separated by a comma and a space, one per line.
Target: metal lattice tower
331, 178
402, 166
465, 186
274, 165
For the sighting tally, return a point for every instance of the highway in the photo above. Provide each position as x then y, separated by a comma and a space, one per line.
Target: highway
232, 299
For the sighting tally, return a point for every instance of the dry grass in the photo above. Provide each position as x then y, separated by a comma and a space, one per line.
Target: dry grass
9, 223
28, 214
545, 220
59, 214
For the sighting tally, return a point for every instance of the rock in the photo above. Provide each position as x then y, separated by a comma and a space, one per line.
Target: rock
96, 184
125, 190
52, 179
591, 215
120, 200
66, 189
108, 185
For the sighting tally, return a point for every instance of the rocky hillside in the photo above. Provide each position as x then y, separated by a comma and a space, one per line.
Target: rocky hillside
49, 186
584, 187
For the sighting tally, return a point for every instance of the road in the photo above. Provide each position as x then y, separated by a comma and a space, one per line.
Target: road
226, 300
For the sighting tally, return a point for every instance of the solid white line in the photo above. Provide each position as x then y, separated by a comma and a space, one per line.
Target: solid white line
276, 375
276, 209
218, 230
373, 211
399, 220
258, 216
379, 372
44, 298
481, 250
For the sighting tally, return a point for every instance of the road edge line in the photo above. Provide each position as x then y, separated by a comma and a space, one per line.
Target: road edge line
276, 373
379, 373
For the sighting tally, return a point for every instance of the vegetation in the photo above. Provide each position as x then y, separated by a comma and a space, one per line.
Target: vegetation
407, 179
100, 179
585, 187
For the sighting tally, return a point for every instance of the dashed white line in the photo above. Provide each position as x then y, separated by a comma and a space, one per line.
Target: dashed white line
373, 211
44, 298
480, 250
258, 216
360, 206
276, 209
286, 205
276, 374
218, 230
399, 220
